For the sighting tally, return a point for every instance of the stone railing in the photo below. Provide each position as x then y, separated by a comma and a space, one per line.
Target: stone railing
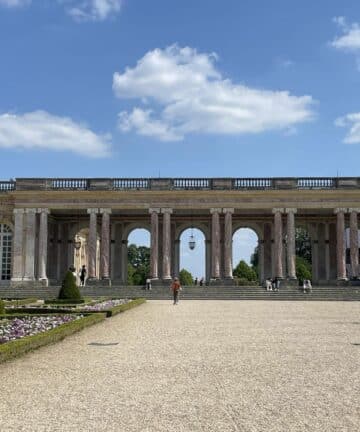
176, 184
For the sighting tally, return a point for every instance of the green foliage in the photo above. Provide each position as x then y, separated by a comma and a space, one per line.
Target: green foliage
138, 264
303, 269
2, 307
186, 278
124, 307
19, 347
244, 271
303, 244
20, 302
65, 301
69, 290
255, 260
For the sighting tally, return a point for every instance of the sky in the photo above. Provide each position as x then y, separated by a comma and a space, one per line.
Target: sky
140, 88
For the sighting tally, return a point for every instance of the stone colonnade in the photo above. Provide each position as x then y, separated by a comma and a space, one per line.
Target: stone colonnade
31, 242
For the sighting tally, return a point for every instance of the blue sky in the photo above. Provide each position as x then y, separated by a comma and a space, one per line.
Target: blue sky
182, 88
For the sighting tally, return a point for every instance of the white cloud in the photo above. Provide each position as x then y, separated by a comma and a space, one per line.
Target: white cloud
41, 130
350, 39
353, 122
14, 3
92, 10
185, 93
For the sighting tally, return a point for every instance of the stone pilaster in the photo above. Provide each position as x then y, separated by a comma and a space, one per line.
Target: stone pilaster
18, 262
105, 244
43, 244
166, 243
290, 230
30, 233
327, 252
154, 243
278, 243
340, 243
92, 242
215, 243
228, 268
354, 242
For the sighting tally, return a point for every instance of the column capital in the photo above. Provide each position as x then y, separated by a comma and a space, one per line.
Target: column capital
31, 210
291, 210
354, 210
340, 210
215, 210
93, 210
105, 210
277, 210
166, 210
228, 210
19, 211
154, 210
43, 210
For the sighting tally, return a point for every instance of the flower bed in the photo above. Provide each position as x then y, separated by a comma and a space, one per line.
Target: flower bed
37, 331
115, 306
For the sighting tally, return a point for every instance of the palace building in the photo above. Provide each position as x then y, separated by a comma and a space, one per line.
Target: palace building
47, 225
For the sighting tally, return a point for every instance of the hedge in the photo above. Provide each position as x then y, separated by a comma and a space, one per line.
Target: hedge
19, 347
45, 311
65, 301
124, 307
20, 302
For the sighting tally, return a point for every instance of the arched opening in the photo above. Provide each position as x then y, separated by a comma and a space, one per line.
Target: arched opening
192, 257
5, 252
245, 254
81, 254
138, 256
304, 253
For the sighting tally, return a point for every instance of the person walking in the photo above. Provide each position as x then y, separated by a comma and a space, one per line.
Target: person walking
82, 275
148, 284
176, 288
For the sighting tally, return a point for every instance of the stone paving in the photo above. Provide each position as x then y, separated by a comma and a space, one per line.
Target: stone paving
199, 366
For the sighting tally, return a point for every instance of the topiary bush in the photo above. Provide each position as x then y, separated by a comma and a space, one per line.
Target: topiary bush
2, 307
69, 290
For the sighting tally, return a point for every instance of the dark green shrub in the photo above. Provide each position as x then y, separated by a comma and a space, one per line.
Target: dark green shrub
69, 289
303, 269
65, 301
2, 307
244, 271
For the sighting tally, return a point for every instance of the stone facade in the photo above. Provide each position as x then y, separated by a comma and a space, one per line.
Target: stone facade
48, 216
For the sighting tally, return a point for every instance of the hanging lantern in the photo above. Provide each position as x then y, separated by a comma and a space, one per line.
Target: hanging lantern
192, 242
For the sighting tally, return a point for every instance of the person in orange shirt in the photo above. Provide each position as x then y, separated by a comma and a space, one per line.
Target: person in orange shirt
176, 288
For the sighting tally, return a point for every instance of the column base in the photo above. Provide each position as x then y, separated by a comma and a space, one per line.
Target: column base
44, 281
291, 282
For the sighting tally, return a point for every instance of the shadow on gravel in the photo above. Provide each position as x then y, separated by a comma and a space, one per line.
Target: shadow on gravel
347, 322
103, 344
356, 344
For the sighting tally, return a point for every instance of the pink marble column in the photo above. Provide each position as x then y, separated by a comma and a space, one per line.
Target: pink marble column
18, 243
166, 243
340, 243
92, 243
154, 243
105, 244
354, 242
290, 231
43, 244
30, 234
228, 270
278, 243
215, 243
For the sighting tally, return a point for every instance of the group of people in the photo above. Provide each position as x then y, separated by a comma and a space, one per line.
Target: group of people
81, 274
201, 282
272, 284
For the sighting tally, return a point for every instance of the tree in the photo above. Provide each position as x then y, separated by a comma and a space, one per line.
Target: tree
185, 277
69, 290
244, 271
138, 264
303, 244
303, 269
254, 260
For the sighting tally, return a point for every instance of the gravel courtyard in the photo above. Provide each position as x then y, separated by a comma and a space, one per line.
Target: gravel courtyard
199, 366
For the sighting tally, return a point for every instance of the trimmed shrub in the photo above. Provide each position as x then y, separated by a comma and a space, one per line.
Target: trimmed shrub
69, 290
2, 307
65, 301
124, 307
18, 347
20, 302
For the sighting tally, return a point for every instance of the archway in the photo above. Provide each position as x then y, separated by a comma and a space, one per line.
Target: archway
81, 255
192, 256
5, 252
138, 256
246, 256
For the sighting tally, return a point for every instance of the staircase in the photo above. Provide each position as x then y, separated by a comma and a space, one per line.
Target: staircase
349, 293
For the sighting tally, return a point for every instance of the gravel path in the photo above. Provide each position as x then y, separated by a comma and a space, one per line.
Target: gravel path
199, 366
